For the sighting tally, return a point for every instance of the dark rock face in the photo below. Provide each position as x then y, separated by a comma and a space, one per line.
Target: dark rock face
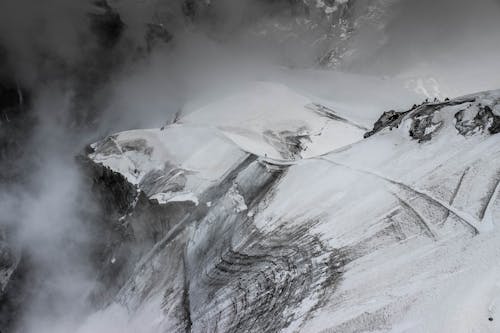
424, 126
115, 239
483, 120
16, 124
389, 119
472, 117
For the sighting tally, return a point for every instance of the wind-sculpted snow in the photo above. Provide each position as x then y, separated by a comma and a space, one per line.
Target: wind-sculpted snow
362, 238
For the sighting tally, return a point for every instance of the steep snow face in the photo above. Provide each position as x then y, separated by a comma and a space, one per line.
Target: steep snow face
267, 120
270, 120
169, 164
287, 234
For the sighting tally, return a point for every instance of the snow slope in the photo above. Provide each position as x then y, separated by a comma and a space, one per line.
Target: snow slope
260, 119
300, 224
269, 120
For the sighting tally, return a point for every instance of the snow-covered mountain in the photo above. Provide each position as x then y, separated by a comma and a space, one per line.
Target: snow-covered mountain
253, 182
266, 211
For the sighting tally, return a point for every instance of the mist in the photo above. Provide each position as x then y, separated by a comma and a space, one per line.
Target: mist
86, 70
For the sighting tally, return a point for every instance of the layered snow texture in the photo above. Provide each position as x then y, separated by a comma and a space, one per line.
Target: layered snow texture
281, 217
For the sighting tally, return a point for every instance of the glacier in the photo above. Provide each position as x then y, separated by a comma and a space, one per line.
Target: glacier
266, 211
249, 166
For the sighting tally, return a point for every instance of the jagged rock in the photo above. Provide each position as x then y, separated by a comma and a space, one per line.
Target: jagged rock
423, 124
388, 119
425, 120
484, 119
289, 144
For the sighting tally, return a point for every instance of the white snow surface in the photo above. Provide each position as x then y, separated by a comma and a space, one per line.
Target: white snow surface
246, 116
207, 142
407, 210
187, 146
177, 152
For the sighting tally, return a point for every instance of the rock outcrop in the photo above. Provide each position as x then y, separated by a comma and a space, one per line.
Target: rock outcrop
472, 114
